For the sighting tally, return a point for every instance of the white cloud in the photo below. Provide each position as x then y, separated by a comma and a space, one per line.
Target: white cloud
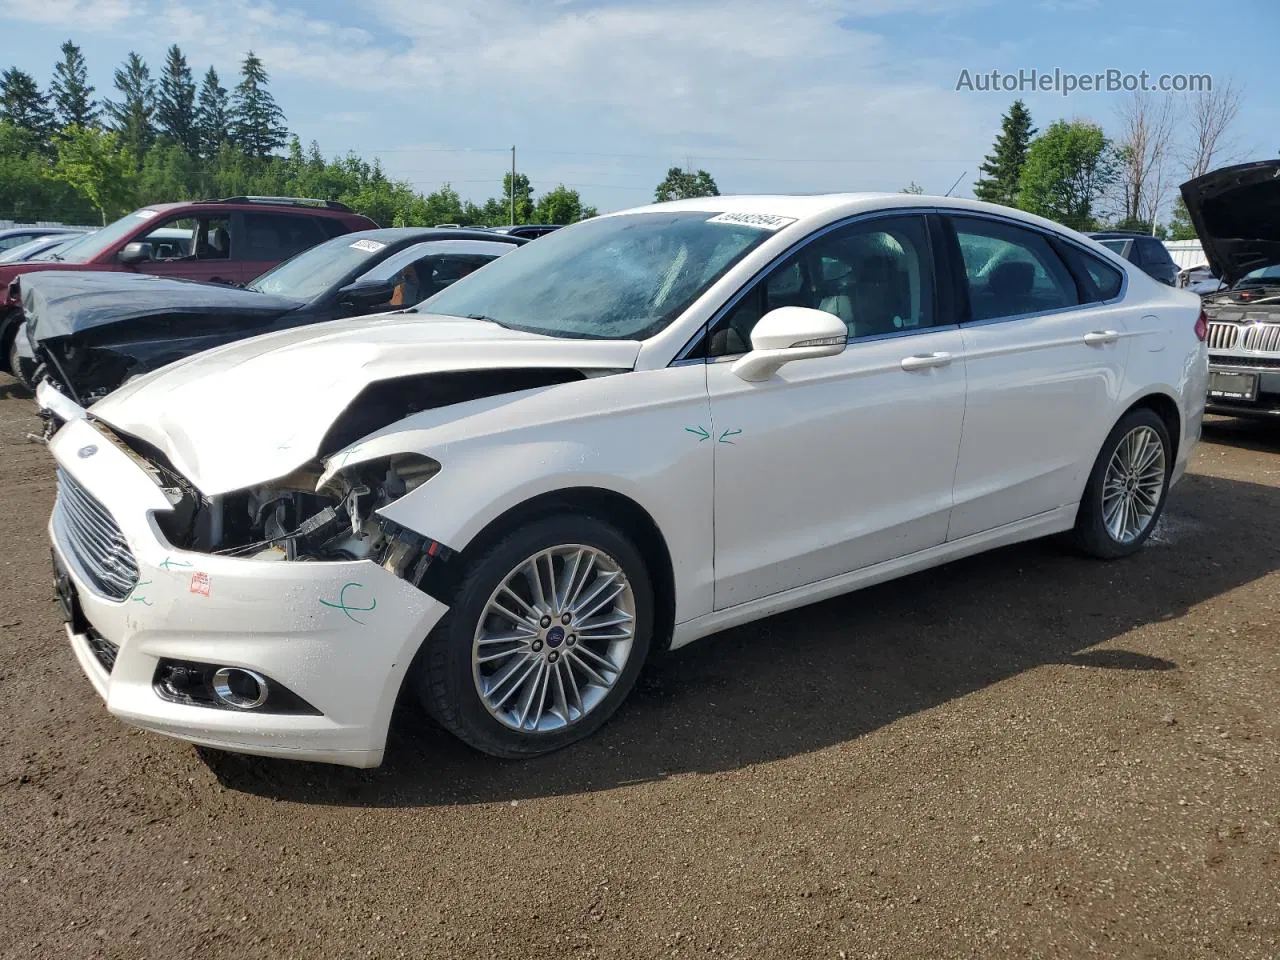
71, 13
788, 79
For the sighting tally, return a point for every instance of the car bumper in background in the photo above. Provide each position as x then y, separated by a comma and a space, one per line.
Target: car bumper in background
1244, 387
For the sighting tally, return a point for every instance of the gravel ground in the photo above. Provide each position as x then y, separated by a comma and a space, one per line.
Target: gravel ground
1026, 754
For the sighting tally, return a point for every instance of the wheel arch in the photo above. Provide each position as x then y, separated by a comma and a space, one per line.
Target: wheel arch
1166, 408
607, 505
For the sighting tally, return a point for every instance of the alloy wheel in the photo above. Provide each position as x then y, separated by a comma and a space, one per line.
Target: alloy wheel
1133, 484
554, 638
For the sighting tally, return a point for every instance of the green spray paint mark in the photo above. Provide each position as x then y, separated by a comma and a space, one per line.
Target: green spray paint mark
729, 433
346, 607
699, 432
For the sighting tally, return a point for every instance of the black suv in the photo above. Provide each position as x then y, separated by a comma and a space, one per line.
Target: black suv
1143, 251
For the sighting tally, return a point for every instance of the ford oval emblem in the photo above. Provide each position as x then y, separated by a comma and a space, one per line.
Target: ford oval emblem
85, 452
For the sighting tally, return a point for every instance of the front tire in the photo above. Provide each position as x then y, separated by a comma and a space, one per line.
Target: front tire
547, 633
1127, 488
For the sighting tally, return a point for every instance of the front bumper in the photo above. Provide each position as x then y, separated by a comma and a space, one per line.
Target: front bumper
339, 635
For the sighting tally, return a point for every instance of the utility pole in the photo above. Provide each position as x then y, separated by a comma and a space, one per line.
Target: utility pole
513, 185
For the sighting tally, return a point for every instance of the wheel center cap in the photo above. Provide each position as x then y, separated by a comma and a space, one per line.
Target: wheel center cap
555, 636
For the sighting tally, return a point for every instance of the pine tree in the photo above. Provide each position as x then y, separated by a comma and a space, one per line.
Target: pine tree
176, 103
25, 107
72, 96
132, 115
1003, 166
257, 122
212, 115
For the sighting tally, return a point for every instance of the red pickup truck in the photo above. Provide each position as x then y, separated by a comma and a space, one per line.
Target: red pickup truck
231, 241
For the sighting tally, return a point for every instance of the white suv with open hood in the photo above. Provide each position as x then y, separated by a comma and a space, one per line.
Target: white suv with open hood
634, 432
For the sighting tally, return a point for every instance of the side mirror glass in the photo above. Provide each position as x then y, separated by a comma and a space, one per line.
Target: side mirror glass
787, 334
136, 251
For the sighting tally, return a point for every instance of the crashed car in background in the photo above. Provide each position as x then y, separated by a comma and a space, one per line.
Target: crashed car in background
229, 241
1236, 213
90, 332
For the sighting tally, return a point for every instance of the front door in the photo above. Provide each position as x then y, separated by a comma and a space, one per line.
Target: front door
192, 248
837, 463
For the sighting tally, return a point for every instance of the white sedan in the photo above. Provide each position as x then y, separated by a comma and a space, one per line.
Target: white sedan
640, 430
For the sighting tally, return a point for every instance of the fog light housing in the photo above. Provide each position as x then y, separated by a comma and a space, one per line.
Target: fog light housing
221, 687
239, 688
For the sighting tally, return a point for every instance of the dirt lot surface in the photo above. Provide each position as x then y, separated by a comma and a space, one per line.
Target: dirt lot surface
1024, 754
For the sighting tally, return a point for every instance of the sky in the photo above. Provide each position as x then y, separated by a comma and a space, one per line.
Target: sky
786, 96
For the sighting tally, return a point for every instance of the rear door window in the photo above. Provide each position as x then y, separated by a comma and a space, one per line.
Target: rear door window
1011, 271
1154, 253
276, 236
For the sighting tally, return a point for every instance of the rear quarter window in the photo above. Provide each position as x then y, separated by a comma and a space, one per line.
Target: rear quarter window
1099, 280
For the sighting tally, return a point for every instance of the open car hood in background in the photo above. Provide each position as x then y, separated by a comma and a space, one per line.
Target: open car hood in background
1236, 213
62, 304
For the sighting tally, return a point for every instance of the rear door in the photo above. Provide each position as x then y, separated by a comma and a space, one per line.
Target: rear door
1045, 367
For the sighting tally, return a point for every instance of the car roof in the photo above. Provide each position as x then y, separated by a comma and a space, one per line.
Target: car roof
248, 204
396, 235
811, 210
38, 231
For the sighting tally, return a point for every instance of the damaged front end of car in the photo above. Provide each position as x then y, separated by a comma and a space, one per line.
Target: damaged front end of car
312, 515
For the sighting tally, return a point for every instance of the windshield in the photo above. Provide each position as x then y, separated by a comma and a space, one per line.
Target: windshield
619, 278
319, 269
1265, 275
91, 244
24, 250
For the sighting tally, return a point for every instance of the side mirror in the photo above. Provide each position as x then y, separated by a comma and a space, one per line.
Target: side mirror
790, 333
370, 293
136, 251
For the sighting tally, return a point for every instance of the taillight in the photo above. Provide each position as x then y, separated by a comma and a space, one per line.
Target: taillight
1202, 327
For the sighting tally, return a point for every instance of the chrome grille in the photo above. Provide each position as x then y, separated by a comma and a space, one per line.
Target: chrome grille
1264, 337
1222, 336
86, 530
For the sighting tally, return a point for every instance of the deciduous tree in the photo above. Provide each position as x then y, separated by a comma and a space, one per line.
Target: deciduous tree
684, 184
97, 164
1068, 169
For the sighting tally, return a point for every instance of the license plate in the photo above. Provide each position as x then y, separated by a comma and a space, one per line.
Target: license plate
1233, 386
66, 591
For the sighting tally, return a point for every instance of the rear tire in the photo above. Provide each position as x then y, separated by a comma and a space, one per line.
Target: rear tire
461, 675
1127, 487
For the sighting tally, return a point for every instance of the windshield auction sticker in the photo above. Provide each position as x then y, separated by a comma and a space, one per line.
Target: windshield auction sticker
765, 221
368, 246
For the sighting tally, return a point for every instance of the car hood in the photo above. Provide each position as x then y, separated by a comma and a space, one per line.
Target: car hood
256, 410
65, 303
1236, 213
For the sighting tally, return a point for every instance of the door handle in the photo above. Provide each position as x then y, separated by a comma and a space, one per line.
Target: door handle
926, 361
1097, 338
